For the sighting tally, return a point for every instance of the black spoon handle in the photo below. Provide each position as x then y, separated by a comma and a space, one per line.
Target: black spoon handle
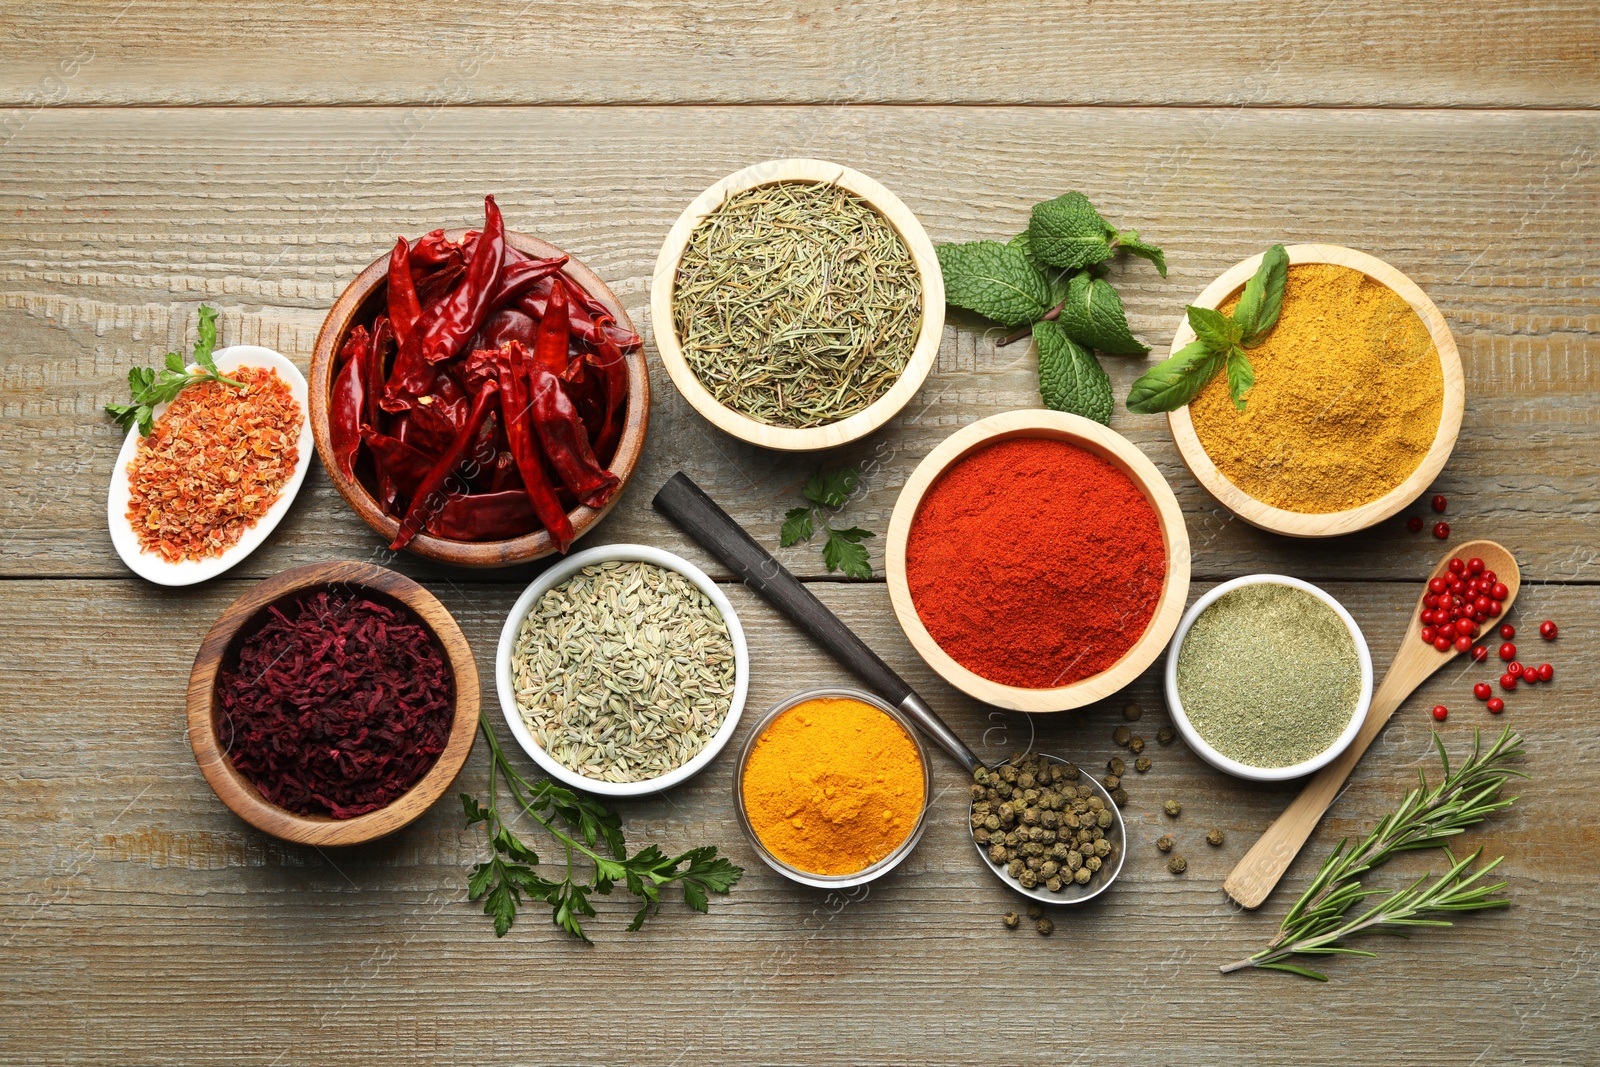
686, 504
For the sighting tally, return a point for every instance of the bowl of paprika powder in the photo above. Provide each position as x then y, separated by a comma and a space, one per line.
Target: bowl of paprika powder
1038, 561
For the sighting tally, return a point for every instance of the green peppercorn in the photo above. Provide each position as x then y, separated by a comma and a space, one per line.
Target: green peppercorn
1096, 804
1045, 927
1165, 842
1011, 919
1121, 735
980, 775
1028, 879
981, 836
1131, 712
1110, 781
1015, 868
1142, 764
1116, 766
1136, 744
1103, 820
1069, 772
1164, 735
1119, 795
1177, 865
1092, 862
1215, 836
1172, 808
1048, 868
1008, 774
997, 853
1054, 883
1085, 792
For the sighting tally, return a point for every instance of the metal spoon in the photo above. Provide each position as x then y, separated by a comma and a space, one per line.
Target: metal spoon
686, 504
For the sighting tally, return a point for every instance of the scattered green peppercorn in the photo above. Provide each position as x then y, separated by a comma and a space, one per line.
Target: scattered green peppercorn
1172, 808
1177, 865
1111, 782
1142, 764
1045, 927
1011, 919
1121, 735
1120, 795
1165, 842
1164, 735
1131, 712
1115, 765
1136, 744
1215, 837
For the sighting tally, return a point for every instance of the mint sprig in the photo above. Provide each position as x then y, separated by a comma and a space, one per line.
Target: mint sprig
1051, 273
1220, 343
827, 492
150, 388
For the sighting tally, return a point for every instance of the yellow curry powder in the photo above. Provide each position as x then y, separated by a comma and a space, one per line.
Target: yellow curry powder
1347, 398
833, 785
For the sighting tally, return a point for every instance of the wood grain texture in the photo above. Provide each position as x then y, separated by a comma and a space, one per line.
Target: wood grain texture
127, 890
112, 229
1199, 52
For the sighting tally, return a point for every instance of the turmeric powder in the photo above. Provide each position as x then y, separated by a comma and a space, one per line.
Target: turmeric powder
1346, 402
833, 785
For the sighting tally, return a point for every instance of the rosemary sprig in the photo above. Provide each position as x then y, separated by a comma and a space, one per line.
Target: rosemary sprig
501, 880
1320, 920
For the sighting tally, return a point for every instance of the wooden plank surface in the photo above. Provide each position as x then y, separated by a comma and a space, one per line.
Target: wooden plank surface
142, 923
119, 222
1189, 52
117, 861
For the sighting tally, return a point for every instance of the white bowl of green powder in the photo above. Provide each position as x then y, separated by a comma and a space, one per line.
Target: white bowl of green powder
1268, 677
622, 670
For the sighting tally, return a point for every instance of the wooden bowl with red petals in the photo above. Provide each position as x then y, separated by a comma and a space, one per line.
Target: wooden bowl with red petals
365, 298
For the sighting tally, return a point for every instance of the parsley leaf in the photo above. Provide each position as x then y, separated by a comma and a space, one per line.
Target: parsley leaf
796, 527
828, 491
997, 281
150, 389
1070, 378
844, 551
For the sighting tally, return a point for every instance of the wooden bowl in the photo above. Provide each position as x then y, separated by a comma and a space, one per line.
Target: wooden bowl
788, 438
364, 298
1333, 523
220, 650
1100, 441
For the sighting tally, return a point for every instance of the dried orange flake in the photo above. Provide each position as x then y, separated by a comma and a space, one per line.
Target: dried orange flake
213, 464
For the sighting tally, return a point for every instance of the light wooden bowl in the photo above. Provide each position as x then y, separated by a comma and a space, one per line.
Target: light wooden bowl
220, 649
1120, 453
788, 438
361, 301
1333, 523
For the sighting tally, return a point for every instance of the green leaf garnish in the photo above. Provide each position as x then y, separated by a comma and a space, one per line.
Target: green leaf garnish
1093, 317
1174, 381
828, 491
150, 389
1241, 376
1262, 299
1070, 378
997, 281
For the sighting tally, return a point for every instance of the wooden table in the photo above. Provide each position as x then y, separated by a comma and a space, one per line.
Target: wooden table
256, 155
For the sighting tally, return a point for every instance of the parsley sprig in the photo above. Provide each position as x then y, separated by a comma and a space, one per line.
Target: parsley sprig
826, 492
150, 388
590, 836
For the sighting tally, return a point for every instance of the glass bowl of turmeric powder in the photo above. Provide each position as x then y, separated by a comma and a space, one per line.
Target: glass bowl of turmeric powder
832, 787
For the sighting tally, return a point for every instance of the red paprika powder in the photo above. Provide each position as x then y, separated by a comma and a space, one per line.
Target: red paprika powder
1035, 563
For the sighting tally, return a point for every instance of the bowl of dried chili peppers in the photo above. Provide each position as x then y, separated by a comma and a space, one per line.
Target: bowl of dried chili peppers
478, 396
333, 704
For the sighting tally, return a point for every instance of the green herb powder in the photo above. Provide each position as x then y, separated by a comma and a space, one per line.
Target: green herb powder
1268, 675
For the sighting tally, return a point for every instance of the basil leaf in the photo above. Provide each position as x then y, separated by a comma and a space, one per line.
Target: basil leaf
1213, 327
796, 527
1174, 381
1068, 232
1262, 299
1070, 378
997, 281
1241, 376
1093, 317
1130, 241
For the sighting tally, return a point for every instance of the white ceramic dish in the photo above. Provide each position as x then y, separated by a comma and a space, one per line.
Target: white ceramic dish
1232, 766
874, 871
554, 577
150, 564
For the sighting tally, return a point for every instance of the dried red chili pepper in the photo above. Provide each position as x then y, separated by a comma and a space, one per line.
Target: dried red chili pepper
517, 403
434, 491
506, 475
550, 347
372, 372
498, 516
612, 367
346, 402
434, 249
404, 307
521, 275
438, 416
447, 325
583, 324
434, 287
507, 325
566, 442
404, 463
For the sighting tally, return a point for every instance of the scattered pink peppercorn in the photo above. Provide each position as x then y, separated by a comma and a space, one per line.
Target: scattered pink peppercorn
1441, 530
1482, 691
1440, 503
1496, 705
1440, 711
1508, 651
1547, 630
1414, 524
1546, 672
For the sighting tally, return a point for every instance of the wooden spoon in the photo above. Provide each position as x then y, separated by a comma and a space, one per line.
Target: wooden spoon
1269, 857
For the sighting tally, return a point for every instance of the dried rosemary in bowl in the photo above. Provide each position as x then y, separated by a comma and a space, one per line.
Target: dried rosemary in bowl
624, 672
797, 304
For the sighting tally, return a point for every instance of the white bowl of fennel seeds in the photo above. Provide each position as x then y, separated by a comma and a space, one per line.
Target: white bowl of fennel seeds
622, 670
797, 304
1268, 678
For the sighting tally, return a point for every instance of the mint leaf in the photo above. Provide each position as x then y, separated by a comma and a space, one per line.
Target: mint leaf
1174, 381
1130, 241
830, 489
997, 281
845, 552
796, 527
1070, 378
1068, 232
1241, 376
1214, 328
1093, 317
1262, 299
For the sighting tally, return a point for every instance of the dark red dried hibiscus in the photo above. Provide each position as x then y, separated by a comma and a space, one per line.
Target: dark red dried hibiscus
337, 707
